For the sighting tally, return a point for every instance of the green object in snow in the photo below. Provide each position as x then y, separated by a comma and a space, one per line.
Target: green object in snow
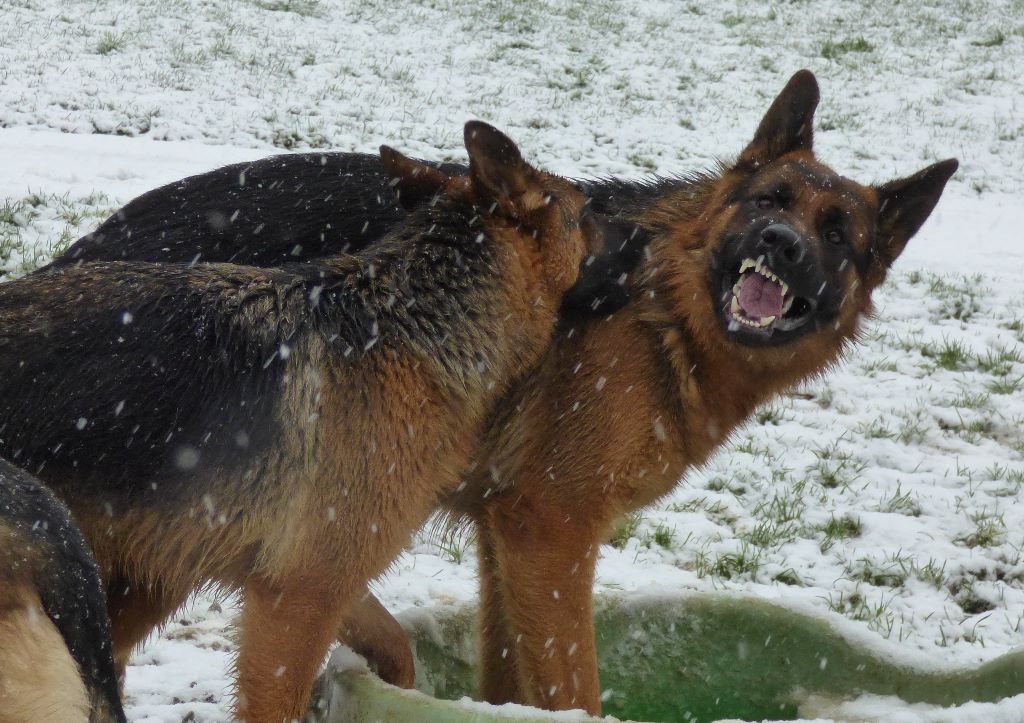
696, 657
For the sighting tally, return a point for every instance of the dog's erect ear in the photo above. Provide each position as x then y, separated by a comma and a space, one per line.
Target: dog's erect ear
498, 171
789, 123
616, 248
414, 182
905, 204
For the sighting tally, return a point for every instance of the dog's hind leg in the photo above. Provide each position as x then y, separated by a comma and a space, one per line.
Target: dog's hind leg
285, 631
370, 630
136, 609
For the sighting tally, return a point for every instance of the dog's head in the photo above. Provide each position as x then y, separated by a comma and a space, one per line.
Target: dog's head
582, 255
787, 250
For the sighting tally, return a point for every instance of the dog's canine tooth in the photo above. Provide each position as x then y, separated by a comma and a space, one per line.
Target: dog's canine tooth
735, 307
747, 264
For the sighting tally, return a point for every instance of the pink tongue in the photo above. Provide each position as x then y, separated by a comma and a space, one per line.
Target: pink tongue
759, 296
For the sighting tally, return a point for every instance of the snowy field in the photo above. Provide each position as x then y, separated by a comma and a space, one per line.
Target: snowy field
890, 492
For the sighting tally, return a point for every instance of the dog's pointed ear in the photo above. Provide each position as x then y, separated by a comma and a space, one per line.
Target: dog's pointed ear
904, 205
499, 173
789, 123
414, 182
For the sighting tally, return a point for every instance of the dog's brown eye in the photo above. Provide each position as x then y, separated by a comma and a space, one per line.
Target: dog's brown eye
765, 202
834, 236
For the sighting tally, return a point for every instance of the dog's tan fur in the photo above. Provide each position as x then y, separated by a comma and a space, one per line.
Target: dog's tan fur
363, 449
620, 408
39, 681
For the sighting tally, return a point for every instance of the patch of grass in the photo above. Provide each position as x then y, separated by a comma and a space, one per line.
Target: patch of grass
839, 528
958, 295
454, 543
872, 366
835, 467
900, 503
1005, 385
970, 400
972, 430
832, 50
787, 505
997, 38
769, 414
788, 577
769, 534
989, 531
110, 42
913, 429
305, 8
1000, 361
663, 536
878, 615
931, 573
293, 138
889, 572
38, 226
964, 594
875, 429
715, 510
951, 354
625, 529
642, 161
745, 562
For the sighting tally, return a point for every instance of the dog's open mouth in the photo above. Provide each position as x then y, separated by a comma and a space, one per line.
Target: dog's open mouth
761, 301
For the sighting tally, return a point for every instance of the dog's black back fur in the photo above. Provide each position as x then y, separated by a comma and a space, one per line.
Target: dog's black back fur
276, 210
300, 208
187, 361
68, 582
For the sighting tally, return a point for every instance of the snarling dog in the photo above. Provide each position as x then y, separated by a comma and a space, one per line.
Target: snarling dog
284, 431
55, 655
759, 274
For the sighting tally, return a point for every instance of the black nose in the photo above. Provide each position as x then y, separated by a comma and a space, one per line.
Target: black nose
784, 246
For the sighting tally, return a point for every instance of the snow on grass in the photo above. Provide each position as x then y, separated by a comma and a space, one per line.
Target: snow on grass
888, 491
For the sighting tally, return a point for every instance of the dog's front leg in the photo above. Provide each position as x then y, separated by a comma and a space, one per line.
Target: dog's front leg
286, 629
499, 668
546, 552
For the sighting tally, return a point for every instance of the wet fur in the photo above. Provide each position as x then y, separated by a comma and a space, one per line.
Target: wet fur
55, 650
281, 431
623, 404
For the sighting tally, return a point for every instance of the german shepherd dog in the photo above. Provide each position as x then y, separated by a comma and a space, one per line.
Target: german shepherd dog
758, 275
55, 657
284, 431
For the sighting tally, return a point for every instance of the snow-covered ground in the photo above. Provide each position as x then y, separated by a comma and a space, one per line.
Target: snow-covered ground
890, 492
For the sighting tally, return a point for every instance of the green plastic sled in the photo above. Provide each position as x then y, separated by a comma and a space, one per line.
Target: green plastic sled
697, 657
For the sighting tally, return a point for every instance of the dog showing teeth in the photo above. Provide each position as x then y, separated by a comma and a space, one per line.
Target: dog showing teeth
759, 296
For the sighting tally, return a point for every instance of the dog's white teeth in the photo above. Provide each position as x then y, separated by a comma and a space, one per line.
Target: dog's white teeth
735, 307
758, 323
787, 303
785, 289
747, 264
758, 264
